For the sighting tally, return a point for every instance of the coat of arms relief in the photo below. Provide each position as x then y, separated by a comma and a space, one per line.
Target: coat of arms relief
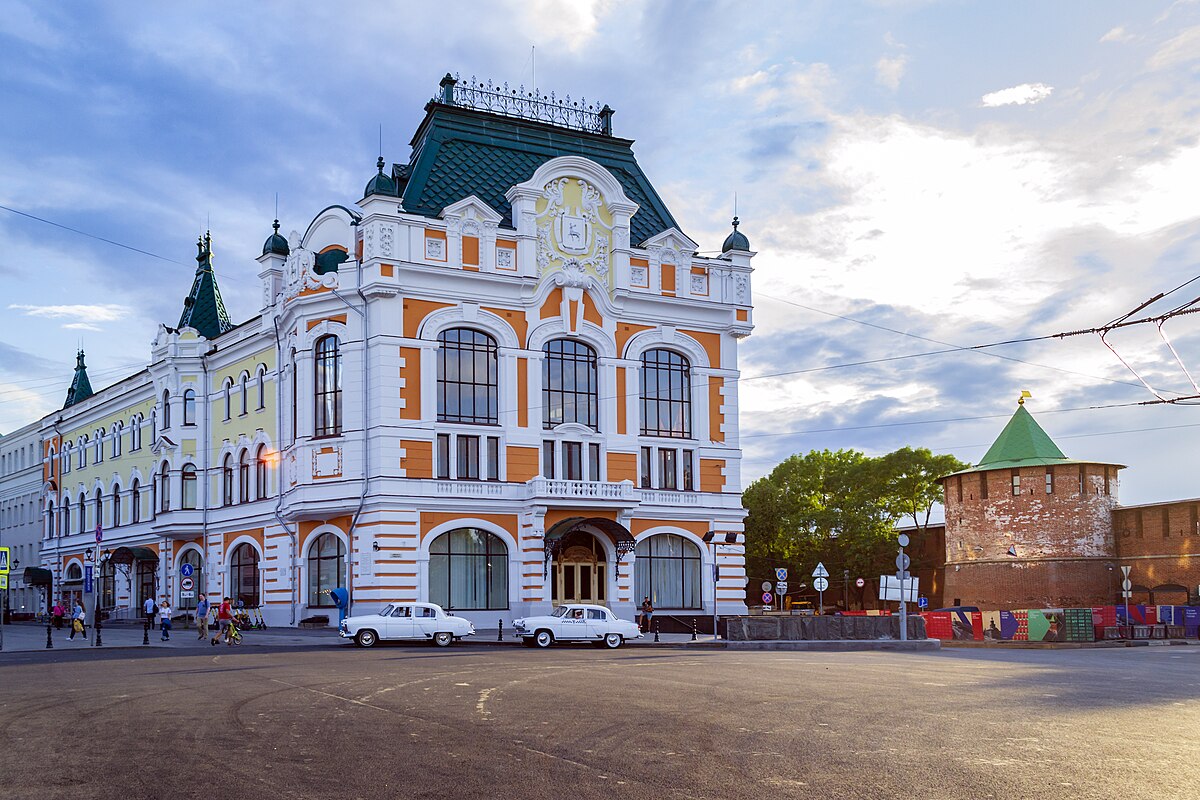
574, 232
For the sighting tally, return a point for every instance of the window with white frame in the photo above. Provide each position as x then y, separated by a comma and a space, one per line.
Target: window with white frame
467, 377
668, 468
166, 410
189, 407
242, 382
666, 394
188, 486
572, 460
569, 384
462, 456
327, 388
226, 395
261, 380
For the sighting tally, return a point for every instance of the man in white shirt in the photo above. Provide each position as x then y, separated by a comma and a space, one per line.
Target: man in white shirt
150, 608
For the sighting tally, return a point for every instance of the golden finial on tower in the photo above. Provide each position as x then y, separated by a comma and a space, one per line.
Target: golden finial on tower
1023, 397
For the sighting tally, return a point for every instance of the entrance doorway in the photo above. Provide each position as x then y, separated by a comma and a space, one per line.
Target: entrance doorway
580, 570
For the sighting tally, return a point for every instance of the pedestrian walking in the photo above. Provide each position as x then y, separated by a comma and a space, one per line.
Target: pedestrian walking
202, 617
58, 612
77, 622
647, 614
164, 618
149, 608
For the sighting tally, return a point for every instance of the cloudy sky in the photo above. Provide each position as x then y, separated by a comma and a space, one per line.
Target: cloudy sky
916, 176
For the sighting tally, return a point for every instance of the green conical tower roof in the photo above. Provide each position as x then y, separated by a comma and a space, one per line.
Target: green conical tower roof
81, 387
203, 308
1023, 443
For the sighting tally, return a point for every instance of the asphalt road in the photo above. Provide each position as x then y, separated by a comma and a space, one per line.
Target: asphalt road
412, 721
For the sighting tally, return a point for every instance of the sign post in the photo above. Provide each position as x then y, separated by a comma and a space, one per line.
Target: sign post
902, 562
4, 565
820, 583
1126, 592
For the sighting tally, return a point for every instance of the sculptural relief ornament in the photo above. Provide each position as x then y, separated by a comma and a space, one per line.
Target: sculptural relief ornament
572, 233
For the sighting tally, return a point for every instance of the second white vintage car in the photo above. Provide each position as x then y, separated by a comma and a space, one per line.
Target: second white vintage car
406, 621
576, 623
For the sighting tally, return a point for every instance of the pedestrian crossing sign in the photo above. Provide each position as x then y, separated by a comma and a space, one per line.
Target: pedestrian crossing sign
4, 561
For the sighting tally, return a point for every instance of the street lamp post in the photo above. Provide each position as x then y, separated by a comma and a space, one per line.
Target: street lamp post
99, 621
710, 537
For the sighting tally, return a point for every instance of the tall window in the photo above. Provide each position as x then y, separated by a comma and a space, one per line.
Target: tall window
326, 569
226, 393
667, 570
116, 505
666, 394
188, 482
243, 575
135, 432
135, 502
261, 380
468, 570
328, 387
82, 513
242, 389
98, 510
66, 460
52, 519
227, 480
83, 446
99, 446
189, 407
569, 384
166, 410
108, 585
164, 489
118, 431
467, 377
65, 528
260, 472
244, 477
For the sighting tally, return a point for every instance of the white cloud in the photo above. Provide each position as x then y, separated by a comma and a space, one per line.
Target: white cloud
1117, 34
1178, 50
80, 326
94, 313
890, 70
1024, 94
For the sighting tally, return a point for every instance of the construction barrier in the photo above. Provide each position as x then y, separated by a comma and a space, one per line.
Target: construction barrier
1097, 623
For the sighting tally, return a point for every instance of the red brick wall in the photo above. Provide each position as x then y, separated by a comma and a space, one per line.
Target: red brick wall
1161, 543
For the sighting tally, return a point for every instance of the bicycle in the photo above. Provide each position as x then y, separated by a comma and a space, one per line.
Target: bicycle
230, 633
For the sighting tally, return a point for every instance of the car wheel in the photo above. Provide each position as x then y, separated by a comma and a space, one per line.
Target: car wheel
366, 638
613, 640
543, 638
443, 639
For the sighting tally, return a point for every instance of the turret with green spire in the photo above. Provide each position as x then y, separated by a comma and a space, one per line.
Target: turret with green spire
81, 387
203, 308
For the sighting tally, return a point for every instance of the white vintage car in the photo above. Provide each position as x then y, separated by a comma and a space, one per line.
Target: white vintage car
422, 621
576, 623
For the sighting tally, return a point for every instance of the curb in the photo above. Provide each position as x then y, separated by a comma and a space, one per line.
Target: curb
837, 645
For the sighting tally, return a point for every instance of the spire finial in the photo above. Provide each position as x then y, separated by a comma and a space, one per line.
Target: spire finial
735, 222
1024, 396
275, 224
380, 165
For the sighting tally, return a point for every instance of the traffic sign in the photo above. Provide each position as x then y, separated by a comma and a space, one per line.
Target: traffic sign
766, 586
767, 598
1125, 571
902, 539
820, 571
187, 583
922, 602
781, 587
186, 570
781, 573
1127, 584
4, 562
820, 584
4, 581
185, 595
1127, 595
860, 583
902, 561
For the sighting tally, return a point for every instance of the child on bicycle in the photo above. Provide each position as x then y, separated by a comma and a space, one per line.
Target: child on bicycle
225, 623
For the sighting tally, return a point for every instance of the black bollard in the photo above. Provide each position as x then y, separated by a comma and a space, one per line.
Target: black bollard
99, 640
693, 630
49, 637
500, 631
146, 633
656, 630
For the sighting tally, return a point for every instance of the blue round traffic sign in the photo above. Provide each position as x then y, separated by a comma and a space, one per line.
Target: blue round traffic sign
186, 570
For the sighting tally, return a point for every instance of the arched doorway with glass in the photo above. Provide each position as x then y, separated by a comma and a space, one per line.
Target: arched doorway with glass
190, 579
468, 571
326, 569
668, 570
583, 558
244, 586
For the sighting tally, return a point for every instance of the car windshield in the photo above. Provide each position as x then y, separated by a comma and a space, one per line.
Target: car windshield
558, 612
386, 610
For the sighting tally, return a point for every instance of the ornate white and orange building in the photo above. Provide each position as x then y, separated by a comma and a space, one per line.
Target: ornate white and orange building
501, 380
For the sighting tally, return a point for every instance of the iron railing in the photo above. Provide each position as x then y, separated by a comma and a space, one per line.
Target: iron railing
500, 98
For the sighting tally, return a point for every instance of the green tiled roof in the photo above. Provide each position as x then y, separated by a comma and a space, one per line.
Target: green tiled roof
81, 387
1022, 443
203, 308
458, 152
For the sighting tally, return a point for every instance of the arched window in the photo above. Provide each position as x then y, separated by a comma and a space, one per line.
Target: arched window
135, 502
166, 410
242, 389
666, 394
667, 570
51, 519
189, 407
243, 575
227, 392
244, 477
188, 597
467, 377
108, 585
83, 513
260, 472
99, 446
153, 427
74, 572
65, 527
98, 510
468, 570
83, 446
188, 485
116, 507
164, 489
569, 385
135, 432
326, 569
227, 480
118, 431
261, 380
327, 387
65, 458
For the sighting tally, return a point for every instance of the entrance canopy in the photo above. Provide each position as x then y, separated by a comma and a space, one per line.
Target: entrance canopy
36, 576
621, 538
127, 555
